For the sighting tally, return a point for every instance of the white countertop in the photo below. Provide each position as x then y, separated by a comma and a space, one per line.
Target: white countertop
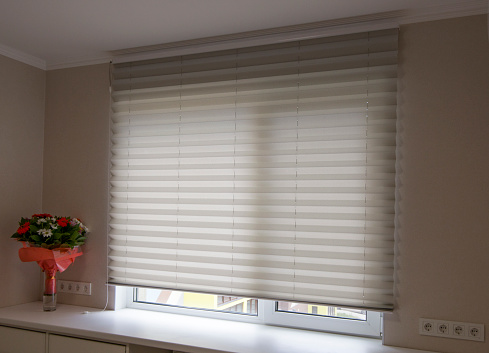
184, 333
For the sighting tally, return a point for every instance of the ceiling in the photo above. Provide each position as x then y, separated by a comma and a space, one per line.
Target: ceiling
57, 33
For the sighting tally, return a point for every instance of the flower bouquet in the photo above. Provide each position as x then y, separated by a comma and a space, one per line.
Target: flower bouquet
53, 242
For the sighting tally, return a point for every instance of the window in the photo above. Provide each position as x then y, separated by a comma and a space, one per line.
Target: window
200, 301
263, 172
297, 315
321, 310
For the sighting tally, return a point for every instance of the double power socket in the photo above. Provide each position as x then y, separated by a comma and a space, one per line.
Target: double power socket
451, 329
73, 287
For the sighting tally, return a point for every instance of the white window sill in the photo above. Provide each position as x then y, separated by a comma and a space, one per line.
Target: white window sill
184, 333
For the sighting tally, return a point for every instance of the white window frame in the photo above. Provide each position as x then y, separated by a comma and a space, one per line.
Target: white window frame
370, 327
267, 315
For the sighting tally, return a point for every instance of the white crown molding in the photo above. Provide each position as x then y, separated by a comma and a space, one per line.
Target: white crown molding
22, 57
434, 13
258, 34
76, 62
249, 39
310, 30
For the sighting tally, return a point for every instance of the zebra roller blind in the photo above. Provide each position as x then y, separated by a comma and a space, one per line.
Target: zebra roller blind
264, 172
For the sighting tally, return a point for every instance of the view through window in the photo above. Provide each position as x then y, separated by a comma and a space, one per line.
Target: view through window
249, 306
321, 310
197, 300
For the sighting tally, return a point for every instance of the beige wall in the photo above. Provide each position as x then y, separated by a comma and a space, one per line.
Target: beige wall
76, 158
22, 89
443, 245
443, 230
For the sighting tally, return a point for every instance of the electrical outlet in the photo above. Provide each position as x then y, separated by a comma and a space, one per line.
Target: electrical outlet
83, 288
442, 328
474, 331
87, 289
451, 329
427, 326
458, 330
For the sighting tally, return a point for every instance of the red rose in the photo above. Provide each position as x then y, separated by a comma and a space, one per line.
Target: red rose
62, 222
24, 228
42, 215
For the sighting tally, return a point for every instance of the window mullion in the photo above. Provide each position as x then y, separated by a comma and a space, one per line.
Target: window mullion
266, 308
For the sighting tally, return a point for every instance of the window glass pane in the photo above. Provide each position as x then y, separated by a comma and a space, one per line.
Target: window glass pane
197, 300
321, 310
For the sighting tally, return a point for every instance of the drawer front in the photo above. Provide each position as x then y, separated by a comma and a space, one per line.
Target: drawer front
13, 340
63, 344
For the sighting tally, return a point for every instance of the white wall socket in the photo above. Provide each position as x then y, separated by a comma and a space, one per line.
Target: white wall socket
451, 329
83, 288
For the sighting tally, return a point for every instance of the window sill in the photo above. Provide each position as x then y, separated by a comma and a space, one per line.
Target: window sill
184, 333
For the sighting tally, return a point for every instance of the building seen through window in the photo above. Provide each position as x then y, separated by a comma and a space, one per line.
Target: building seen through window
239, 305
197, 300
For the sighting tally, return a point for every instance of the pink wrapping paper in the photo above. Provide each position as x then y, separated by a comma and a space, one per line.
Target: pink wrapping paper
51, 261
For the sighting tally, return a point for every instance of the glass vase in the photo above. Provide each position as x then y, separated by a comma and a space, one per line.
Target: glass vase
49, 295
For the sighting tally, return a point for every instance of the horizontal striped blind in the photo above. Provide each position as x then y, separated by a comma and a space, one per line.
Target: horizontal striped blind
264, 172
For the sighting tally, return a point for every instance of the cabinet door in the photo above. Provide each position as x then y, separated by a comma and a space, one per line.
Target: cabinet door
14, 340
63, 344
